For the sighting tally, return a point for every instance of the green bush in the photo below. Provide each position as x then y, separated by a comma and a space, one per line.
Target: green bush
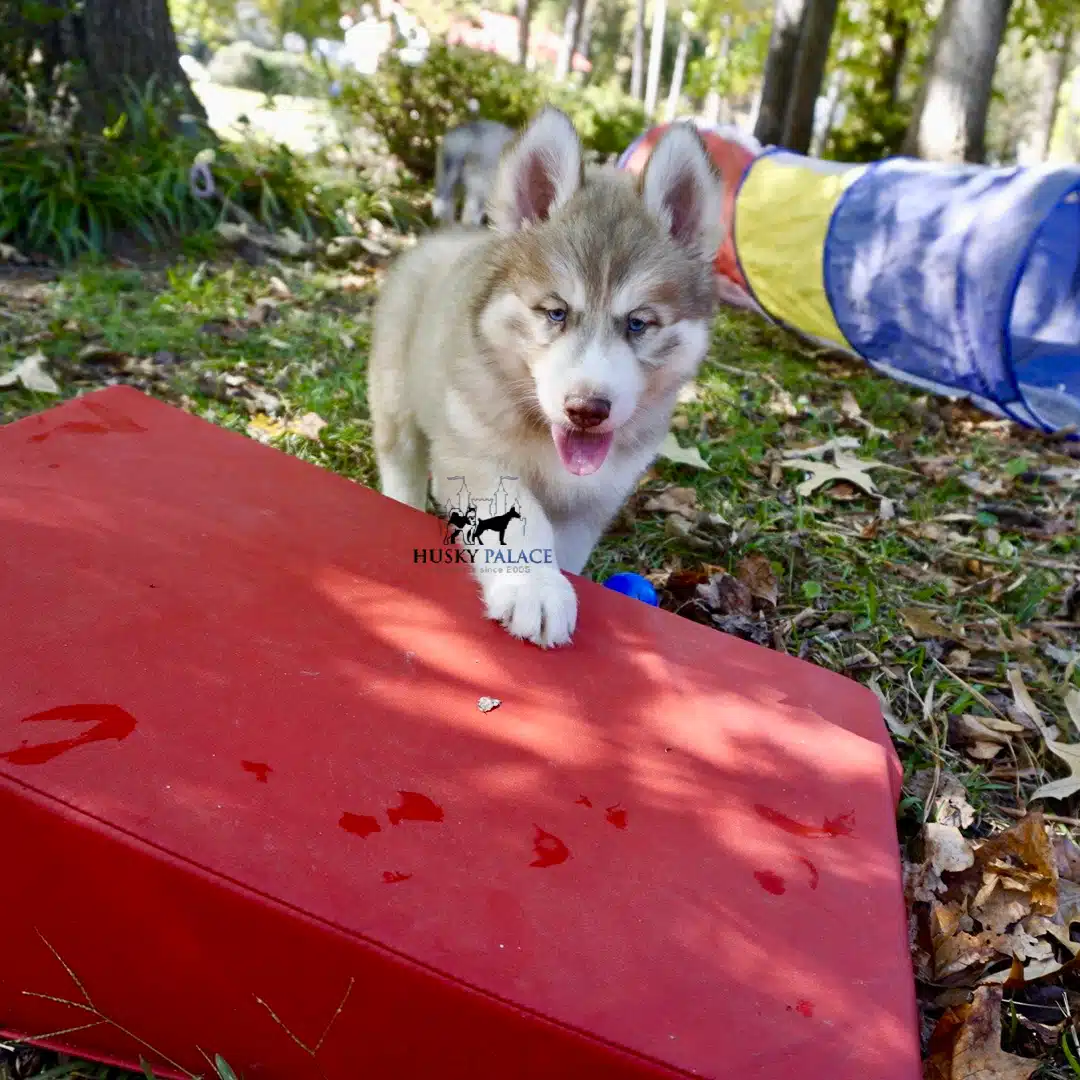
607, 119
248, 67
873, 128
66, 192
410, 107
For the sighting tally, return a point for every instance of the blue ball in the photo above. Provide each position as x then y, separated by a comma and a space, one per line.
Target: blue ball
633, 585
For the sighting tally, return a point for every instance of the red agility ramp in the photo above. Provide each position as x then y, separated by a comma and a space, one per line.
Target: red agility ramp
253, 808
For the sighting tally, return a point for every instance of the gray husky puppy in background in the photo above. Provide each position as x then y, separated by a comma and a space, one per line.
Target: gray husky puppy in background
468, 157
550, 348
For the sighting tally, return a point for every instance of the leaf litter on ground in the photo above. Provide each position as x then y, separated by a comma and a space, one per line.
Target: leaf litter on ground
30, 373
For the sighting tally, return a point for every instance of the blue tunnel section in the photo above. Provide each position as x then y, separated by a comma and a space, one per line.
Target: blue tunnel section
965, 280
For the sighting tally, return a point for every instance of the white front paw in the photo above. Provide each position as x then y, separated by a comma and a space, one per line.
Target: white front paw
540, 606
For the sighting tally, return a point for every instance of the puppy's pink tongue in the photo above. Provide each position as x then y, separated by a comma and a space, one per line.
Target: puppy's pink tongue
581, 451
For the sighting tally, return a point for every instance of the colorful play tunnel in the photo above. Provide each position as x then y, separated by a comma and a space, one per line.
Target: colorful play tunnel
250, 805
964, 280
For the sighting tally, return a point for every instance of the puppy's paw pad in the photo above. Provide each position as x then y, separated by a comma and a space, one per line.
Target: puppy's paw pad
540, 606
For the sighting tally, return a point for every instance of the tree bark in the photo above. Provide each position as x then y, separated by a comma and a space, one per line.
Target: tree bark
571, 32
637, 63
810, 64
949, 122
105, 50
656, 55
1058, 62
832, 97
894, 54
779, 70
585, 44
679, 72
524, 16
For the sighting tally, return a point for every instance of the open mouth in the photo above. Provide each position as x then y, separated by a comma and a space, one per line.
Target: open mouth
582, 452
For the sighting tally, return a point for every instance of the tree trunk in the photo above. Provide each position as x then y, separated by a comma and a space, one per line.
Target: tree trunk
832, 98
813, 54
524, 15
949, 122
571, 31
1058, 61
779, 70
656, 55
105, 49
679, 72
894, 54
585, 44
637, 64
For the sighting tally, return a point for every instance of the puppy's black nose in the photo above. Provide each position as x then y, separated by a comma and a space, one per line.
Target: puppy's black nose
587, 412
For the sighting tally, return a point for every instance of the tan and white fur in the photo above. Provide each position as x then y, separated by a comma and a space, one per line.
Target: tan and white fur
551, 348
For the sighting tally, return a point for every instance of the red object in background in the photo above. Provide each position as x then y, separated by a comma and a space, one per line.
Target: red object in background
254, 810
731, 161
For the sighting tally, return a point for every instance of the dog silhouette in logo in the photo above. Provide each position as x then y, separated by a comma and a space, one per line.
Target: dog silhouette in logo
463, 525
496, 524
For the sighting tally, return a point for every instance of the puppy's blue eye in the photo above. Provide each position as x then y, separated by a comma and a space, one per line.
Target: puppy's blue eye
557, 315
636, 325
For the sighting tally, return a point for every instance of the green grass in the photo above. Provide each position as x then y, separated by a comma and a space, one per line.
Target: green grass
227, 341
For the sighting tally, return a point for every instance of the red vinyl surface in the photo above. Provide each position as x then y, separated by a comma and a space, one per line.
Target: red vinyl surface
249, 805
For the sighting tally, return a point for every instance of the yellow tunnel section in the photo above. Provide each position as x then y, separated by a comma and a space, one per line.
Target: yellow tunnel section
782, 216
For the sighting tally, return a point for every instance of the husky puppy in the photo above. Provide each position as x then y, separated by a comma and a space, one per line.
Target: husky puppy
551, 349
468, 157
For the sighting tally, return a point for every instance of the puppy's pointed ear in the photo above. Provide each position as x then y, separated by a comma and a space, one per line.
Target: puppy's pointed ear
539, 173
683, 190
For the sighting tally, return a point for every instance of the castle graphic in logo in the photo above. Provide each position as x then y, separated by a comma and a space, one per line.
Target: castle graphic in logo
470, 520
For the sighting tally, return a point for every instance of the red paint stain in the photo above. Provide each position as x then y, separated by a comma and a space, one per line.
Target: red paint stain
257, 767
414, 807
815, 877
804, 1008
550, 850
392, 877
110, 722
362, 825
844, 825
583, 801
108, 422
617, 816
770, 882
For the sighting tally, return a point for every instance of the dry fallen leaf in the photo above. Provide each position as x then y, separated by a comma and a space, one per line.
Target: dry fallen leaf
951, 806
897, 727
966, 1044
12, 255
29, 371
819, 450
1067, 752
945, 849
850, 408
973, 481
922, 624
723, 595
983, 737
309, 425
683, 455
264, 429
846, 468
994, 910
756, 573
674, 500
